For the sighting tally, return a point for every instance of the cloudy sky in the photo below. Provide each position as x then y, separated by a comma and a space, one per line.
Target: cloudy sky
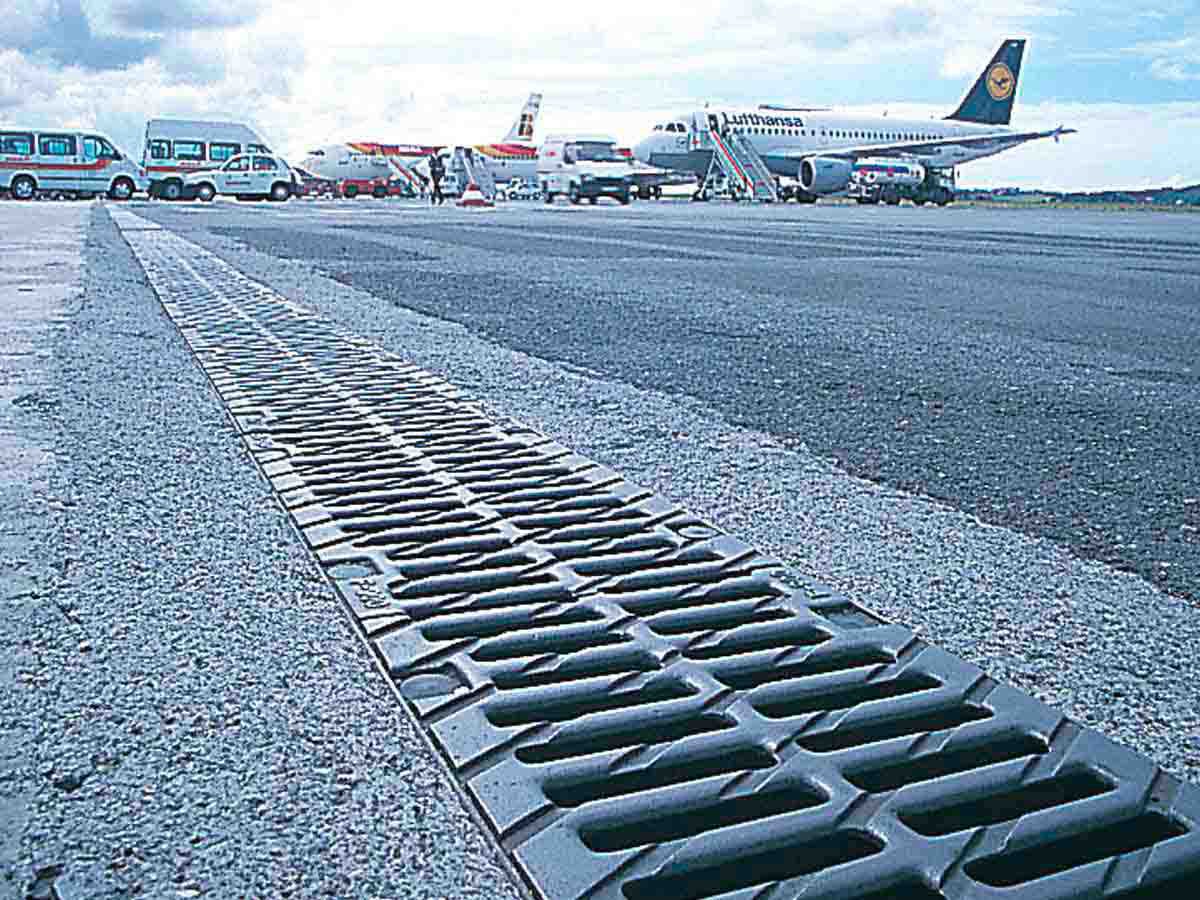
311, 72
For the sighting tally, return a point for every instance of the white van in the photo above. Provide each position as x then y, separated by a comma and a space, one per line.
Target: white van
84, 163
176, 148
583, 165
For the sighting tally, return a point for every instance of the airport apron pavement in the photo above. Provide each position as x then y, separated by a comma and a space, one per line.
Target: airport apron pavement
650, 340
1035, 368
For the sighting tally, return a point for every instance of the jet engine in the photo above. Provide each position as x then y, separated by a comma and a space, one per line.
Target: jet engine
881, 171
825, 175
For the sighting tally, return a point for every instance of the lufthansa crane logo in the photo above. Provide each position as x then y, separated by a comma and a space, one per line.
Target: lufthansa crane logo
1000, 81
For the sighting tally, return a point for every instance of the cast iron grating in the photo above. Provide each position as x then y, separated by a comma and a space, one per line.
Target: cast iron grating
640, 705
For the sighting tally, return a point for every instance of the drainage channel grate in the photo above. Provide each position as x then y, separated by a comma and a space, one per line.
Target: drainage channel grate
640, 705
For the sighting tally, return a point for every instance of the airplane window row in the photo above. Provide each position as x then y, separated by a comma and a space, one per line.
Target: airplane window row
843, 135
804, 132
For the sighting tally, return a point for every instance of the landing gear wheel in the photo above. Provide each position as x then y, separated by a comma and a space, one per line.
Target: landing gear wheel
23, 187
206, 192
172, 190
121, 189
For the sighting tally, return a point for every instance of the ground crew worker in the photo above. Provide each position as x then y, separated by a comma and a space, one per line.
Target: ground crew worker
437, 171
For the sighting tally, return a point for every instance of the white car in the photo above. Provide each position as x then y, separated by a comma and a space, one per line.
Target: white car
246, 176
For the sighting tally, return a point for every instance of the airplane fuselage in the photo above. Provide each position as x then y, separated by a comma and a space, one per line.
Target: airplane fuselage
369, 160
784, 138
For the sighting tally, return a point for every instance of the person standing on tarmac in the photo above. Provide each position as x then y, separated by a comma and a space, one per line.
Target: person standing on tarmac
437, 171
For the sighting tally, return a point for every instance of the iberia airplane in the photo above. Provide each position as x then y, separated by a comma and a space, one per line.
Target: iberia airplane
823, 148
514, 157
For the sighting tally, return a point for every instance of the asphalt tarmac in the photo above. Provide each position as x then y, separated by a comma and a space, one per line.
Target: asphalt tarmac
1037, 369
976, 422
690, 375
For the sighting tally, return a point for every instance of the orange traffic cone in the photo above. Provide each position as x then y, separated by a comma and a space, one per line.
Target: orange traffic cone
473, 197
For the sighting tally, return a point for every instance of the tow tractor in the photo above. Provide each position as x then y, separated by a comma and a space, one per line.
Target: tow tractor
379, 188
893, 180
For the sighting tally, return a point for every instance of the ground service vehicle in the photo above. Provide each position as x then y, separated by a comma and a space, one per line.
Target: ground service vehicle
519, 189
176, 148
248, 176
309, 185
379, 188
583, 166
893, 180
80, 163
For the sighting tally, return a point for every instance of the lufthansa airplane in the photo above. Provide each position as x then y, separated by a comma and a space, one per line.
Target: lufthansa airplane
820, 147
515, 156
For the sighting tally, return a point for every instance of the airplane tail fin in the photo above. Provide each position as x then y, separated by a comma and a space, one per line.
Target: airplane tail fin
522, 129
990, 100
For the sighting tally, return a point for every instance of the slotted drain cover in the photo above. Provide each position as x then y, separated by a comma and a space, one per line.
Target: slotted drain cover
637, 704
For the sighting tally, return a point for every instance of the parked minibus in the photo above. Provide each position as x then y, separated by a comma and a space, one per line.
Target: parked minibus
177, 147
66, 160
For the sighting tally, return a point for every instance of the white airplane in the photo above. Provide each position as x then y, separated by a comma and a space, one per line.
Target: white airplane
368, 160
821, 148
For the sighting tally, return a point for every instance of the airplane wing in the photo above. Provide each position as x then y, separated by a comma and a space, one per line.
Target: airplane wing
919, 148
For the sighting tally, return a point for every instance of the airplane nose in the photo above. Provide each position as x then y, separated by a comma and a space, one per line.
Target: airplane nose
643, 149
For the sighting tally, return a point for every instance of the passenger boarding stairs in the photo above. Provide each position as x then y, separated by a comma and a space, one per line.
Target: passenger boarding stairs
468, 167
736, 158
406, 174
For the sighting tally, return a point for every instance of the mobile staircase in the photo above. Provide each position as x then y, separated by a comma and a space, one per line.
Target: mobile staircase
470, 168
407, 175
735, 158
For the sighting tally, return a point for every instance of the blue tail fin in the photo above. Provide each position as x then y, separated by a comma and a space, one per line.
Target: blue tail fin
990, 101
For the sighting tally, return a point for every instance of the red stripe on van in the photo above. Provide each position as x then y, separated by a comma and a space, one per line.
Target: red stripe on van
70, 167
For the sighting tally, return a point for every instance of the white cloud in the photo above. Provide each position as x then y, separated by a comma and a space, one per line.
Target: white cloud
1118, 146
23, 19
1175, 70
23, 85
146, 17
1175, 60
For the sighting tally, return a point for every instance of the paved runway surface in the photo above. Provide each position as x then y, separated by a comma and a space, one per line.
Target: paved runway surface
1037, 369
979, 357
1030, 368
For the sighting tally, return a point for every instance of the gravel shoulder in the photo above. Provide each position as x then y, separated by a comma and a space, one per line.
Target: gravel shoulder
1105, 646
195, 714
